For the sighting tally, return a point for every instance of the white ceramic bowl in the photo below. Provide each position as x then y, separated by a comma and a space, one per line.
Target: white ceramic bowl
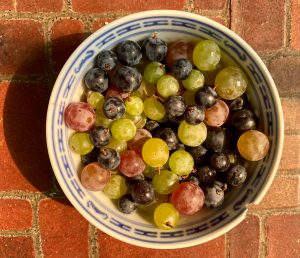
96, 207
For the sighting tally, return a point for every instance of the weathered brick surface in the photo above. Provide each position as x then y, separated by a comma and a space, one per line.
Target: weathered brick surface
16, 247
15, 214
6, 5
209, 4
291, 113
259, 22
19, 55
39, 6
290, 158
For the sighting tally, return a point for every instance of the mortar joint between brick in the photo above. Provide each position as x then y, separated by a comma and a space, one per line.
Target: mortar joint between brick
93, 242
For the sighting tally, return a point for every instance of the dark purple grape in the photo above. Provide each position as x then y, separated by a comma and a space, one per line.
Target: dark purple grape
169, 137
151, 126
114, 107
192, 179
198, 153
206, 175
90, 157
109, 158
214, 195
237, 104
96, 80
107, 60
180, 146
143, 192
128, 79
182, 69
236, 175
175, 120
205, 97
126, 204
100, 136
175, 106
217, 139
243, 120
155, 49
129, 52
194, 114
219, 162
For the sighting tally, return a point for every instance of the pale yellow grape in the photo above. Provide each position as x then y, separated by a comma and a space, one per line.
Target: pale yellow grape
119, 146
95, 99
194, 81
154, 109
155, 152
166, 216
181, 162
102, 120
81, 143
192, 135
167, 86
123, 129
116, 187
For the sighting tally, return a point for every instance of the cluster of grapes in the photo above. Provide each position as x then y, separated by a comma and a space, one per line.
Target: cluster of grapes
172, 139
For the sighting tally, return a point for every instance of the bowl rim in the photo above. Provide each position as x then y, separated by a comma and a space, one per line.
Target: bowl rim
273, 91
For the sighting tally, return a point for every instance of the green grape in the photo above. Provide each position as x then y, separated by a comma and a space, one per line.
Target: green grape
150, 172
166, 216
189, 97
192, 135
154, 109
116, 187
95, 99
123, 129
81, 143
102, 120
210, 76
139, 120
181, 162
165, 182
153, 71
155, 152
206, 55
145, 90
194, 81
134, 106
119, 146
167, 86
231, 83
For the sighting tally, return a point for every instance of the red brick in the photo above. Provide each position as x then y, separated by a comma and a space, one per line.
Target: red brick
6, 5
259, 22
291, 113
110, 247
209, 4
99, 23
16, 247
283, 193
21, 47
283, 236
219, 20
286, 74
291, 153
244, 239
24, 162
97, 6
39, 6
66, 35
64, 232
295, 20
15, 214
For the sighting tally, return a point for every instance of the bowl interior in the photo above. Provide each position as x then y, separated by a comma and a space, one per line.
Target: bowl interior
96, 207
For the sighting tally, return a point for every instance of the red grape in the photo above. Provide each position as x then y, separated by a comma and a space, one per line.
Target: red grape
131, 164
178, 50
217, 114
136, 144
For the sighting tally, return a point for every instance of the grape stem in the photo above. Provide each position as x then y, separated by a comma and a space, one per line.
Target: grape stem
169, 224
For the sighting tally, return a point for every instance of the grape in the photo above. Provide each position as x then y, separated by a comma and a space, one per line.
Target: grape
154, 48
194, 114
237, 175
129, 52
119, 146
237, 104
194, 81
253, 145
96, 80
167, 86
205, 97
113, 91
145, 90
207, 175
219, 162
206, 55
136, 144
107, 60
165, 182
100, 136
134, 106
128, 79
81, 143
192, 135
154, 109
231, 83
155, 152
114, 108
149, 172
123, 129
187, 198
90, 157
167, 135
166, 216
101, 119
198, 153
93, 177
243, 120
214, 195
151, 126
181, 162
179, 50
95, 99
143, 192
217, 114
189, 97
131, 163
217, 139
175, 106
116, 187
182, 69
153, 71
126, 204
80, 116
139, 120
192, 179
109, 158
